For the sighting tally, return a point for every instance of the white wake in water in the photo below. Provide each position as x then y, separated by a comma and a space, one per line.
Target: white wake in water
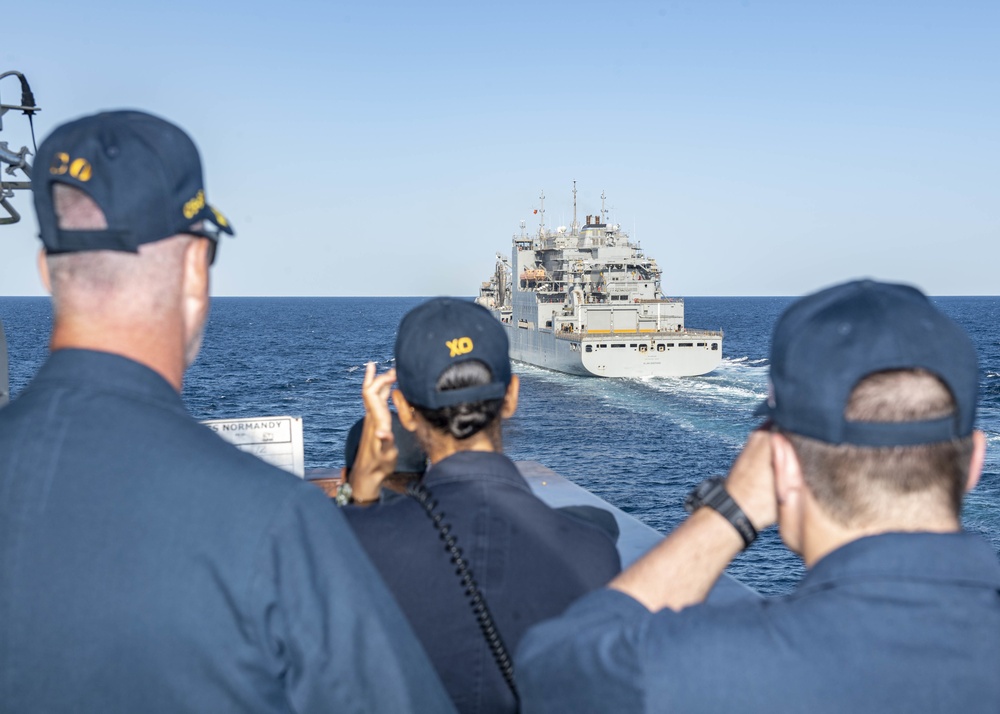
719, 404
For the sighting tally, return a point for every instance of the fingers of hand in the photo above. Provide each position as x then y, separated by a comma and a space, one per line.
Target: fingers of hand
369, 375
751, 480
382, 384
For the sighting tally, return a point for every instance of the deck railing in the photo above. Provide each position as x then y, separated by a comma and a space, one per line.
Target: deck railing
632, 334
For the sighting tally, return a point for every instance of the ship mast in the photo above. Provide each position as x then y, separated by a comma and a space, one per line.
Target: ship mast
603, 212
576, 226
541, 216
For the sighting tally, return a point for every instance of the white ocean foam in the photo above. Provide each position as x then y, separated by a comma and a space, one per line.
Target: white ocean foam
716, 384
744, 360
739, 391
705, 404
685, 424
697, 406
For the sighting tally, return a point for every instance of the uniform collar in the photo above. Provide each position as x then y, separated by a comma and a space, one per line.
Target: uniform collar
466, 466
954, 557
106, 372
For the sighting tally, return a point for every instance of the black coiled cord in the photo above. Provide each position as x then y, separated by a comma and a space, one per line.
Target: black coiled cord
479, 607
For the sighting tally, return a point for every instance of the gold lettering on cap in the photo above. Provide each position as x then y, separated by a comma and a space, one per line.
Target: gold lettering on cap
459, 346
193, 206
80, 170
60, 164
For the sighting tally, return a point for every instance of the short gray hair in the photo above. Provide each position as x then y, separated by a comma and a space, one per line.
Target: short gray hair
109, 280
857, 485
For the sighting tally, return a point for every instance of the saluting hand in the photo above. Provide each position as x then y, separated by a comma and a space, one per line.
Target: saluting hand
751, 481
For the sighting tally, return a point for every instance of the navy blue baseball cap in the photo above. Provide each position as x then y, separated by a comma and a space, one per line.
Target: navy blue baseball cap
411, 459
827, 342
142, 171
446, 331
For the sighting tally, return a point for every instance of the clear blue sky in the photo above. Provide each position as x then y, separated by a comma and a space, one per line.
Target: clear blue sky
755, 148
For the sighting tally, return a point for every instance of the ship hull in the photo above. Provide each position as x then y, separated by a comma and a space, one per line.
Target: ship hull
683, 354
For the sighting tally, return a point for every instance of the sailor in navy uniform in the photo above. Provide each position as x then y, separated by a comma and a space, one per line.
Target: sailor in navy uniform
870, 451
528, 561
145, 564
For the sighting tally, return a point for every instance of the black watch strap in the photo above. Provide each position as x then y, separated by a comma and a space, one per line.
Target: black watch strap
712, 493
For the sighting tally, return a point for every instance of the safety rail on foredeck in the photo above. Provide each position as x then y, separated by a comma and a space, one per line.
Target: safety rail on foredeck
632, 334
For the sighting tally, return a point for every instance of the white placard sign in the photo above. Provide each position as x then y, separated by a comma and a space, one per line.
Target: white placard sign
276, 440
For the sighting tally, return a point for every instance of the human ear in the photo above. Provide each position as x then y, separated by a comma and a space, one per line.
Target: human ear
404, 410
194, 295
43, 270
196, 268
787, 471
510, 398
788, 485
978, 458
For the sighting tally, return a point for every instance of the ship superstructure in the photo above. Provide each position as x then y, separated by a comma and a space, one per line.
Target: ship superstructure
586, 300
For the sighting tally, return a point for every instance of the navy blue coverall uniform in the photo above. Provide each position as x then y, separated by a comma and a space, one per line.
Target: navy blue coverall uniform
893, 623
148, 566
529, 560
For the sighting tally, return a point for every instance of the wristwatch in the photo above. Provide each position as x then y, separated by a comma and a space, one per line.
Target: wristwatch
712, 493
345, 494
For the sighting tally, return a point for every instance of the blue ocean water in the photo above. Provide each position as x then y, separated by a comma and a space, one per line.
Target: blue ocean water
641, 444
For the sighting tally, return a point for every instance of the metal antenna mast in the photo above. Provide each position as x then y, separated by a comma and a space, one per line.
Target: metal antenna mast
576, 226
603, 212
541, 216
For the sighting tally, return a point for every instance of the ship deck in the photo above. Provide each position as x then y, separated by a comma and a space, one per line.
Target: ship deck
635, 537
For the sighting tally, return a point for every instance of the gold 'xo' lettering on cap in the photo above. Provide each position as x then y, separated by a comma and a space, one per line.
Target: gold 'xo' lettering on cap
193, 206
459, 346
79, 169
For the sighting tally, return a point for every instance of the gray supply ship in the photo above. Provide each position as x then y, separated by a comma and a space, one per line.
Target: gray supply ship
587, 301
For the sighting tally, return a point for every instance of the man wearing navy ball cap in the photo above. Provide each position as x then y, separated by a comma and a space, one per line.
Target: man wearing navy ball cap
145, 564
870, 450
528, 561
